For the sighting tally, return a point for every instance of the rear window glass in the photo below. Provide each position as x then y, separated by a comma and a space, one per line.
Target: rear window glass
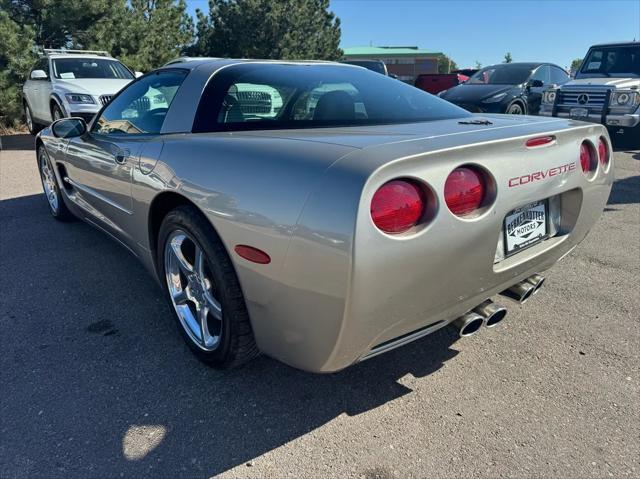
267, 96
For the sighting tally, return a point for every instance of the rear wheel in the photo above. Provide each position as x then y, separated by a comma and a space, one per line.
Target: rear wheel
32, 126
515, 108
203, 290
52, 191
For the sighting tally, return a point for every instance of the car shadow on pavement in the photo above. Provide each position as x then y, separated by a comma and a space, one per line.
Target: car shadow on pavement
17, 142
625, 191
97, 381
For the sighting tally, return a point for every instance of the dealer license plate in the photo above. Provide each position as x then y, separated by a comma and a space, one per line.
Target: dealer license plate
579, 112
525, 226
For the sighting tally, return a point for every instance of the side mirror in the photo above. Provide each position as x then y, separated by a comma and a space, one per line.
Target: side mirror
69, 128
38, 75
535, 83
139, 74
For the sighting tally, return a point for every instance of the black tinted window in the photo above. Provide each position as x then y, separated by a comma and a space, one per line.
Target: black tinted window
506, 74
261, 96
142, 106
558, 76
611, 61
542, 74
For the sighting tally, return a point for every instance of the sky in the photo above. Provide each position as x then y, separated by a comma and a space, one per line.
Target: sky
555, 31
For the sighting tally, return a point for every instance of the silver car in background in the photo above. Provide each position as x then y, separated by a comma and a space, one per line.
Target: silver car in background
322, 213
65, 83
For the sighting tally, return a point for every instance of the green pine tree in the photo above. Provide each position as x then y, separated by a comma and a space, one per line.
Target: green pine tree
286, 29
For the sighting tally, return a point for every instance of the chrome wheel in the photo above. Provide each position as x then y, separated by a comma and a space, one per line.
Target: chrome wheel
515, 109
192, 291
57, 114
48, 182
27, 114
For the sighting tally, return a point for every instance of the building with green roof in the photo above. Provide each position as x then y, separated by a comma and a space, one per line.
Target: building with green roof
407, 62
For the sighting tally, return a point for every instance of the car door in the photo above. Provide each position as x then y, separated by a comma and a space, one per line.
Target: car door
534, 93
100, 163
37, 91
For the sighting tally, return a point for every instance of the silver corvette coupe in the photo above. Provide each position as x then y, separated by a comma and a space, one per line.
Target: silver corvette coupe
321, 213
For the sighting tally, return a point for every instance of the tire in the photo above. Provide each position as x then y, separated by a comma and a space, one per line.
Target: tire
226, 340
515, 108
32, 125
56, 113
52, 192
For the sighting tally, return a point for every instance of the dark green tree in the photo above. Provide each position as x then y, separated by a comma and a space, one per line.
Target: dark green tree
144, 34
62, 23
16, 58
284, 29
507, 58
446, 64
478, 65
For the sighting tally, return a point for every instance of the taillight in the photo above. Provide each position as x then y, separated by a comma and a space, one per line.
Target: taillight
603, 151
587, 157
464, 190
397, 206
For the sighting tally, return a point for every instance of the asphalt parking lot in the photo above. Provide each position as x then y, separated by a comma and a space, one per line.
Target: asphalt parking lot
96, 381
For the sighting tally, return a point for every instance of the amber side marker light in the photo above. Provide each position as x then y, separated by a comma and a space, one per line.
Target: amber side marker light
252, 254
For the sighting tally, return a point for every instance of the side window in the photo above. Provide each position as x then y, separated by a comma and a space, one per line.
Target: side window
142, 106
558, 76
330, 101
542, 74
246, 102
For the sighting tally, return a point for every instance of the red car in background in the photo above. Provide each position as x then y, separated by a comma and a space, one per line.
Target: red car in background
436, 82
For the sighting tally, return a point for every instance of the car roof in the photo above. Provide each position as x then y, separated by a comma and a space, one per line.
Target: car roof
78, 55
616, 44
212, 64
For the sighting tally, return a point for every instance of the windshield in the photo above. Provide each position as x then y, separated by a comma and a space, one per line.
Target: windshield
617, 61
501, 75
73, 68
268, 96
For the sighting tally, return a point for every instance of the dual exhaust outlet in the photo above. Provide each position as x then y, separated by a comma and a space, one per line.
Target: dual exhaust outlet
490, 314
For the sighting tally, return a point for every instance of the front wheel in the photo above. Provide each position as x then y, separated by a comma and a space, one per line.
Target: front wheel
51, 189
515, 109
203, 290
56, 113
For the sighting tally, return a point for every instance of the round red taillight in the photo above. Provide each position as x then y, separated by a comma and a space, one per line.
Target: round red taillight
397, 206
587, 158
464, 190
603, 151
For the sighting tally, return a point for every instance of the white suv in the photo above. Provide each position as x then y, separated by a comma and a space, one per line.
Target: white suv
71, 83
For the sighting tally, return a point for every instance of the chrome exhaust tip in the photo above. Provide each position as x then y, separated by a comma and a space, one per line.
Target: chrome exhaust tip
537, 280
492, 313
468, 324
520, 292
